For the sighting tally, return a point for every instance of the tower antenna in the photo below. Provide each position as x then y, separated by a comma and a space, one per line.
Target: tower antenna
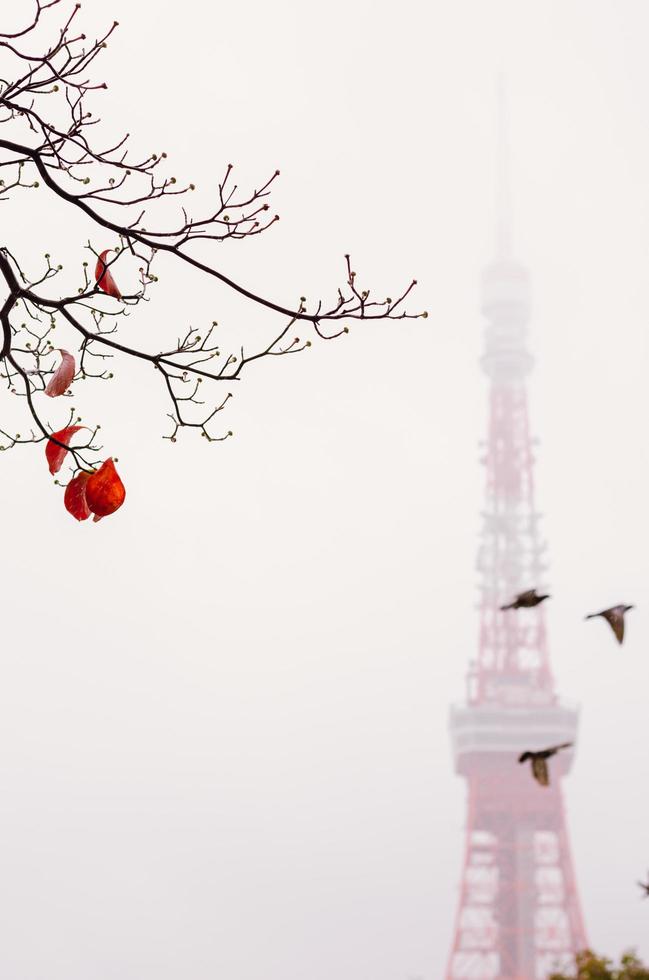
503, 185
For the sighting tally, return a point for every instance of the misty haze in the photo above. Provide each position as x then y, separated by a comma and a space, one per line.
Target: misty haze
319, 700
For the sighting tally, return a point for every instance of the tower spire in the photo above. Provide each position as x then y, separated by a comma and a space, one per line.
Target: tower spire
506, 286
503, 187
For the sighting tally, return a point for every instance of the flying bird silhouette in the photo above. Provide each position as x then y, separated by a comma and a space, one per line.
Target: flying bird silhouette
103, 276
525, 600
615, 618
645, 887
539, 762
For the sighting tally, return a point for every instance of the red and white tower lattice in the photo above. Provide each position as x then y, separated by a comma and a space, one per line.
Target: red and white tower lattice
519, 916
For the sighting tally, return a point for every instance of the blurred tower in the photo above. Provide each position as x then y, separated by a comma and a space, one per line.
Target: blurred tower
519, 916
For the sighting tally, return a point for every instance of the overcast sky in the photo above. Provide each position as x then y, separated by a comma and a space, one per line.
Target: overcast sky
223, 711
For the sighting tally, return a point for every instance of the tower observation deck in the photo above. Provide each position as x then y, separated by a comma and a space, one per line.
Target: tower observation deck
519, 916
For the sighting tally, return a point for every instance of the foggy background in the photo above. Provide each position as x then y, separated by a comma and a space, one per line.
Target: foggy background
223, 711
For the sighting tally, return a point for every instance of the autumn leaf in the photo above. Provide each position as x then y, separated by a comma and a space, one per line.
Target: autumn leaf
103, 276
55, 454
105, 491
62, 377
75, 497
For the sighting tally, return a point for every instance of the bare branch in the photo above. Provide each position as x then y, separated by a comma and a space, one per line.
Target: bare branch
57, 143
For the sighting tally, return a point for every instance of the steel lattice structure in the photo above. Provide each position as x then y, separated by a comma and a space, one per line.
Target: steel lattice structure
519, 916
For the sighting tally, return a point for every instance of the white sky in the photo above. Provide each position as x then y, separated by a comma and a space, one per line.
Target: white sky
223, 712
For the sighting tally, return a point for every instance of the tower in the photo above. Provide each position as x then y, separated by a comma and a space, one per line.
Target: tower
518, 916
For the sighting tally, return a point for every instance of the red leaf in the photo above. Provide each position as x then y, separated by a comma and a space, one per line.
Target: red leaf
105, 491
62, 377
75, 497
56, 454
104, 278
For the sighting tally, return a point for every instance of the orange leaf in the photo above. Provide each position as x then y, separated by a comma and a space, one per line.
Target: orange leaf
104, 278
105, 491
62, 377
75, 497
56, 454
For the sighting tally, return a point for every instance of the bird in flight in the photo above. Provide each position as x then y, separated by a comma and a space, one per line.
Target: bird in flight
525, 600
645, 887
615, 618
539, 762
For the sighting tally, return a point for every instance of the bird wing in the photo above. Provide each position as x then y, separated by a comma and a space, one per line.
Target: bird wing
555, 748
616, 620
528, 596
540, 770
